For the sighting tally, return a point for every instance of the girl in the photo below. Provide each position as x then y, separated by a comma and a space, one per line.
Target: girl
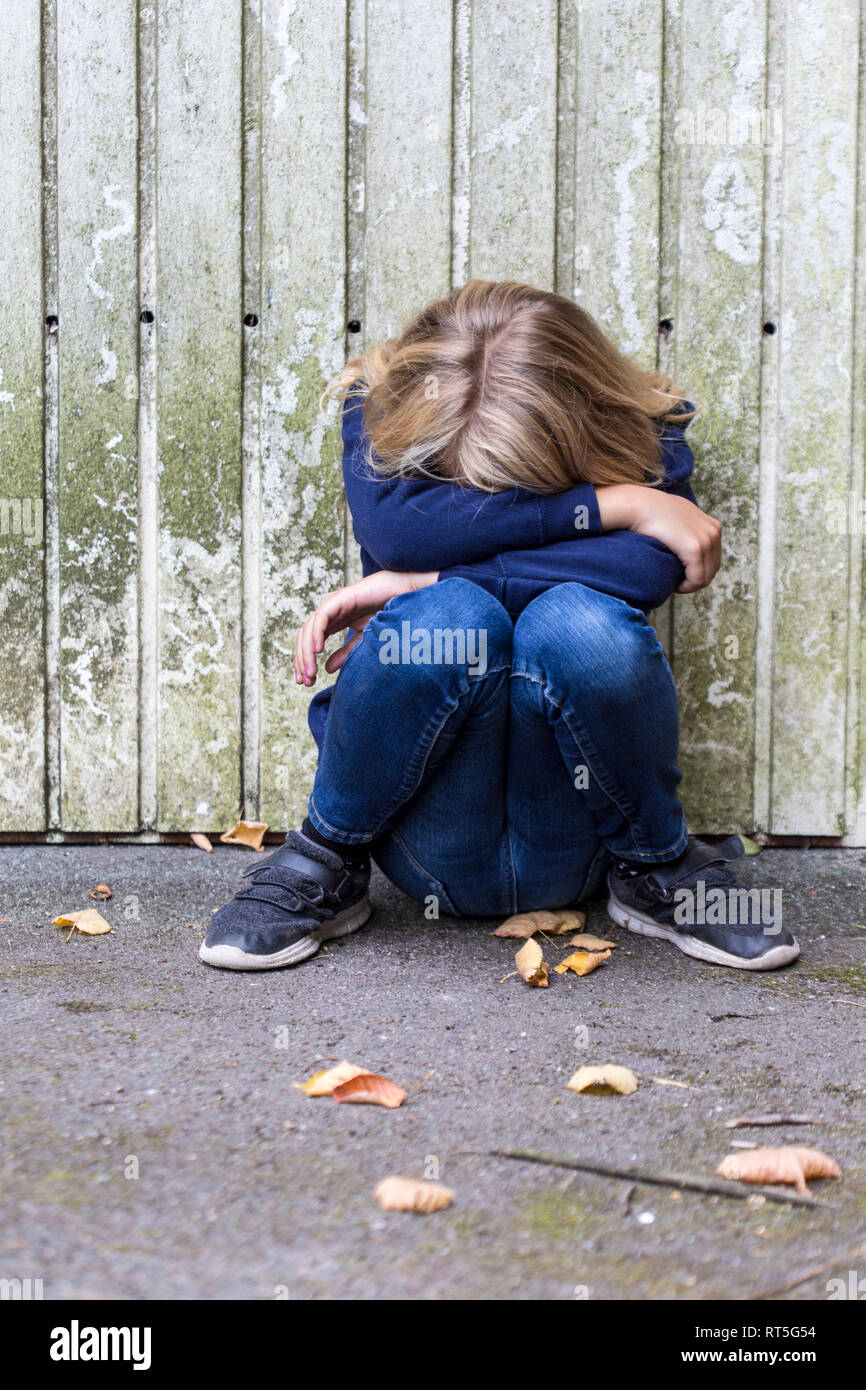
503, 731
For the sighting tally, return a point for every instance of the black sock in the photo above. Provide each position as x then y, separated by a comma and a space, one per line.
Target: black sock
356, 854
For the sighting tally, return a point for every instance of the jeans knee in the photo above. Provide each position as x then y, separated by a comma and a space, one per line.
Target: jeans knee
573, 638
454, 625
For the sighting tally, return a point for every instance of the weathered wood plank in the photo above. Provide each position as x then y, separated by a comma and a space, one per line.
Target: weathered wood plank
22, 734
513, 70
616, 171
198, 324
97, 472
814, 420
717, 147
301, 344
407, 163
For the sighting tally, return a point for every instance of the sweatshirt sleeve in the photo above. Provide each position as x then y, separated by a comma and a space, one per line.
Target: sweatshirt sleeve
638, 569
418, 524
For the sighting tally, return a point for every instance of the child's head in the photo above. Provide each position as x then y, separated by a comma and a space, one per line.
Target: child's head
501, 385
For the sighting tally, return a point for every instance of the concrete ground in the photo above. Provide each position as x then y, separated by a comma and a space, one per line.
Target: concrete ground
122, 1052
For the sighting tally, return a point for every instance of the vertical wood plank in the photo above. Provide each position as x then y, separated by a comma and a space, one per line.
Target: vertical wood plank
821, 79
617, 167
513, 68
198, 321
97, 482
716, 148
407, 157
302, 344
22, 693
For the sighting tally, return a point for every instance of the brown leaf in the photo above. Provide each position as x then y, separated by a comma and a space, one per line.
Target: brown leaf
582, 962
411, 1194
246, 832
88, 921
604, 1080
324, 1083
202, 842
585, 941
531, 965
525, 924
370, 1089
101, 892
785, 1164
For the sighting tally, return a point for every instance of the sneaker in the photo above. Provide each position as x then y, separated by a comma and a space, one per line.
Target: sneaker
646, 901
298, 897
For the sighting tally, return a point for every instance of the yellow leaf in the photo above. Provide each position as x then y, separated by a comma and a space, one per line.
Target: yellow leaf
531, 965
322, 1083
582, 962
88, 921
369, 1089
750, 846
585, 941
603, 1080
557, 923
786, 1164
410, 1194
246, 832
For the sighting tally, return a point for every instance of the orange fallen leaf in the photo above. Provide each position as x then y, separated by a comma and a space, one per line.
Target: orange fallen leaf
325, 1082
101, 892
526, 924
370, 1089
246, 832
582, 962
531, 965
603, 1080
88, 921
585, 941
412, 1194
786, 1164
202, 842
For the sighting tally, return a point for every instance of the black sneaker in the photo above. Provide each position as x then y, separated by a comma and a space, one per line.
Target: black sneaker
670, 900
298, 897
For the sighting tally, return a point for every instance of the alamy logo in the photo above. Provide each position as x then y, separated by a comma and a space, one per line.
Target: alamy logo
22, 516
20, 1290
76, 1343
439, 646
729, 907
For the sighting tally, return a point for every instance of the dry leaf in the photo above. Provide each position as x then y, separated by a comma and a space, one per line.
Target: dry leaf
246, 832
531, 965
525, 924
370, 1089
582, 962
101, 892
202, 842
603, 1080
585, 941
786, 1164
324, 1083
88, 921
749, 846
411, 1194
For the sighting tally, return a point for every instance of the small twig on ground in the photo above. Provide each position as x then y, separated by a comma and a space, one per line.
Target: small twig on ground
844, 1257
715, 1187
861, 1003
626, 1198
752, 1121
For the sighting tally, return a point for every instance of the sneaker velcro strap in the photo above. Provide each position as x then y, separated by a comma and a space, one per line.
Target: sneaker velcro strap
285, 858
698, 856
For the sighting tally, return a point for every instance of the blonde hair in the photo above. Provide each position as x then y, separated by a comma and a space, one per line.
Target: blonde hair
501, 385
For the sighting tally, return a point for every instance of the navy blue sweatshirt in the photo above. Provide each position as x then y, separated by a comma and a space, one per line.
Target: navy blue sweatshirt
515, 544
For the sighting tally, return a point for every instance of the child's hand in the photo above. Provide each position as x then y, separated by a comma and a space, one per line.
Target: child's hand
693, 536
352, 606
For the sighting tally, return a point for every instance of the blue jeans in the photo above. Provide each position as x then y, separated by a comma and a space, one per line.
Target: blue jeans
495, 764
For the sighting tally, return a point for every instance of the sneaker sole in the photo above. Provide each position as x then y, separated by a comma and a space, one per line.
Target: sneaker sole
642, 925
233, 958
